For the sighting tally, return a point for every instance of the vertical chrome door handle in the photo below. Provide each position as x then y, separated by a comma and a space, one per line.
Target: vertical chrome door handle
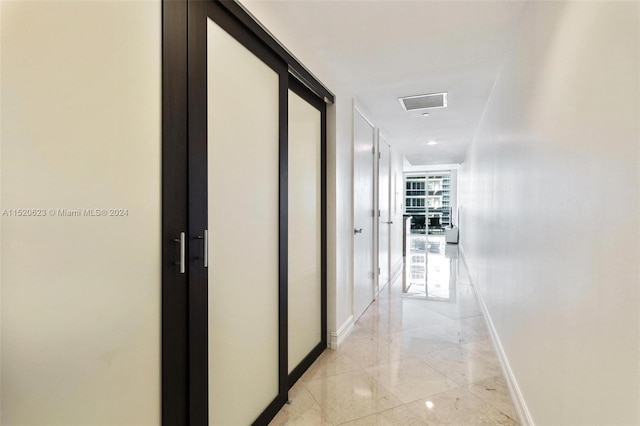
205, 240
206, 248
183, 249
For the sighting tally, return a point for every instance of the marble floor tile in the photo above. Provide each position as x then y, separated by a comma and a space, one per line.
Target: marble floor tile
330, 363
483, 348
373, 350
411, 359
302, 410
396, 416
494, 390
410, 379
414, 307
475, 323
459, 407
456, 312
455, 336
351, 396
387, 323
461, 365
463, 306
386, 303
414, 343
461, 331
362, 331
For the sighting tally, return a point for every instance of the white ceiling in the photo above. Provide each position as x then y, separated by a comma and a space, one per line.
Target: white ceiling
387, 49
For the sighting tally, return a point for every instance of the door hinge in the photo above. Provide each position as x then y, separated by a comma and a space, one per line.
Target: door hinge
378, 156
378, 271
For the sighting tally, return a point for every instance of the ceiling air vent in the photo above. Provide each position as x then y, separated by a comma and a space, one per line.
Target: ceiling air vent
434, 100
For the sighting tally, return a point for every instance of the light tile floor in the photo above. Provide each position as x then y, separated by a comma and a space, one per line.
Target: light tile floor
419, 355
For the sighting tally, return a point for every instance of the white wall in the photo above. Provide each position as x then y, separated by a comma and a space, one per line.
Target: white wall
339, 167
81, 121
550, 211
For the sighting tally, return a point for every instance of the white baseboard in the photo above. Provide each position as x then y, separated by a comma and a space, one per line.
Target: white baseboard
338, 337
524, 416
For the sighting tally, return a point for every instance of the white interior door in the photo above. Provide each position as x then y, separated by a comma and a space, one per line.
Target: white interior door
243, 214
305, 227
385, 211
363, 209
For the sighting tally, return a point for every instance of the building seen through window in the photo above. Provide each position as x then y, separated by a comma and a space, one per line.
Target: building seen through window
427, 199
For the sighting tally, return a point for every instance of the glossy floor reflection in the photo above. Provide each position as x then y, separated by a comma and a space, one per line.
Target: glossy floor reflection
419, 355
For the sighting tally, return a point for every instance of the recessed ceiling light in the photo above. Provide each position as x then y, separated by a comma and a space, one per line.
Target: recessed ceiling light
432, 143
424, 114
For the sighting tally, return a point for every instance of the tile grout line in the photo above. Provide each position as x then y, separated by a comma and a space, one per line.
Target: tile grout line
326, 416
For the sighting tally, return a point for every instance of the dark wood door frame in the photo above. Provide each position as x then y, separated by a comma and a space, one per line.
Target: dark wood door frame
175, 340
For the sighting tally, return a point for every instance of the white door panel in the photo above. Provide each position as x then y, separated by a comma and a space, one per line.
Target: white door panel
243, 191
385, 216
363, 144
305, 275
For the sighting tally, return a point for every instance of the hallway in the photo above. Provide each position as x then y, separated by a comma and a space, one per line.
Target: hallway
161, 160
420, 354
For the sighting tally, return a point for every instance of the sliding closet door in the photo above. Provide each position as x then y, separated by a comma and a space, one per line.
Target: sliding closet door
236, 245
306, 332
243, 160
